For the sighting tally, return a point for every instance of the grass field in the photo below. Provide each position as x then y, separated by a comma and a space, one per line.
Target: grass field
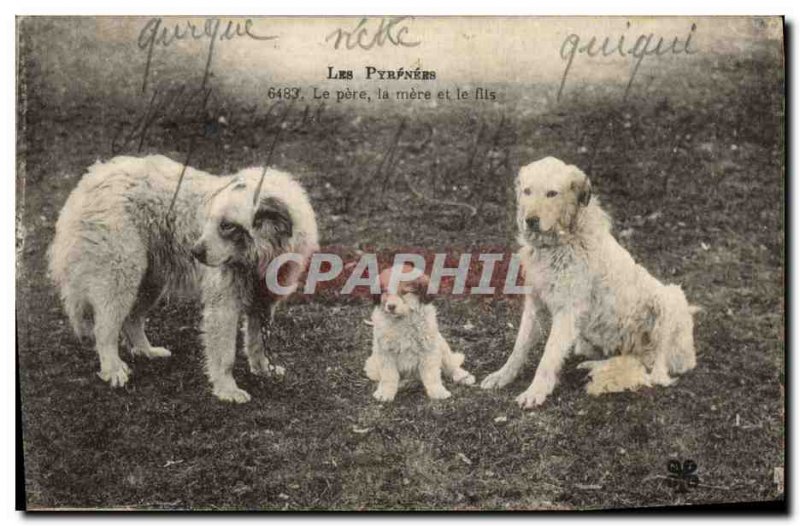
692, 173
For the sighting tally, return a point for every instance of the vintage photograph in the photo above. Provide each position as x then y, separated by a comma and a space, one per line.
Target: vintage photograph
401, 263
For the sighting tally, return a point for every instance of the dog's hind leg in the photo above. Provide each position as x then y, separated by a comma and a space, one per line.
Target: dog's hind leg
451, 364
110, 311
140, 345
113, 274
255, 351
673, 337
134, 325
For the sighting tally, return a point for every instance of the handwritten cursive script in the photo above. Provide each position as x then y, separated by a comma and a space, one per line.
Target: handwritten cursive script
155, 33
391, 30
645, 45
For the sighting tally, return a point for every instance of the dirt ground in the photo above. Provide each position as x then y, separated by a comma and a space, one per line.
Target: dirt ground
691, 171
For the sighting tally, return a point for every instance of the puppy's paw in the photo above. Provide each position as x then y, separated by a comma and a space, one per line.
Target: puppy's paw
152, 352
497, 379
463, 377
439, 393
382, 396
231, 393
116, 374
531, 398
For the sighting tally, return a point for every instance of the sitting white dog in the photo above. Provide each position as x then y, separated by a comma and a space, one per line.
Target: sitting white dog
597, 295
407, 342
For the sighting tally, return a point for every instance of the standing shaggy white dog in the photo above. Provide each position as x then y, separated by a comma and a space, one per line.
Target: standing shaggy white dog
596, 294
116, 252
406, 341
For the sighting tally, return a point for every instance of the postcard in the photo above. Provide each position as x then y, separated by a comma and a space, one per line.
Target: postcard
401, 263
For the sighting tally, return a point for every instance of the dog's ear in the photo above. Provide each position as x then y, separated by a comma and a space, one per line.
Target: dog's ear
420, 287
582, 187
272, 221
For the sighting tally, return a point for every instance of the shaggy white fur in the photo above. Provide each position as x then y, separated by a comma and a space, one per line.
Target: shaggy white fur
596, 294
116, 253
407, 342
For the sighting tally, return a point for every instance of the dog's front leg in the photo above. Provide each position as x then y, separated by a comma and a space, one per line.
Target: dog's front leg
562, 337
220, 323
374, 364
388, 383
529, 330
255, 348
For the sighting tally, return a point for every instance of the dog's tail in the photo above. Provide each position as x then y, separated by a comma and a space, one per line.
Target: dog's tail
616, 374
62, 255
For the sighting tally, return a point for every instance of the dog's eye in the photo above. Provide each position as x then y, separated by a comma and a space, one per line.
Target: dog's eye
227, 228
551, 193
527, 191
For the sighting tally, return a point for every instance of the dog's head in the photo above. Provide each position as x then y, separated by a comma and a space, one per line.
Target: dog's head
401, 296
236, 231
550, 194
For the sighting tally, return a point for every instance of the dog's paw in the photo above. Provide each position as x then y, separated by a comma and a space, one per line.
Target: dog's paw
382, 396
497, 379
116, 375
531, 398
232, 394
543, 384
463, 377
662, 379
439, 393
152, 352
261, 367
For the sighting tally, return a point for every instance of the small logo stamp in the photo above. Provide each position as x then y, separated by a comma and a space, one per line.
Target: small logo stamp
683, 476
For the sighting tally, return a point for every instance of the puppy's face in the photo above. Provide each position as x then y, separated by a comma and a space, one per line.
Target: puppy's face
409, 297
234, 232
549, 195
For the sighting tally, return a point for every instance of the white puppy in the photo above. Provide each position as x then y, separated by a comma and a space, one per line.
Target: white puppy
596, 294
117, 251
406, 341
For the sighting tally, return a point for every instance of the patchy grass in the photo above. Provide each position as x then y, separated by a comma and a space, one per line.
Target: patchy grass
692, 172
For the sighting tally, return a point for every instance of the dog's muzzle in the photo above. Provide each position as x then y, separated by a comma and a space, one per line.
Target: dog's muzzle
533, 224
199, 253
